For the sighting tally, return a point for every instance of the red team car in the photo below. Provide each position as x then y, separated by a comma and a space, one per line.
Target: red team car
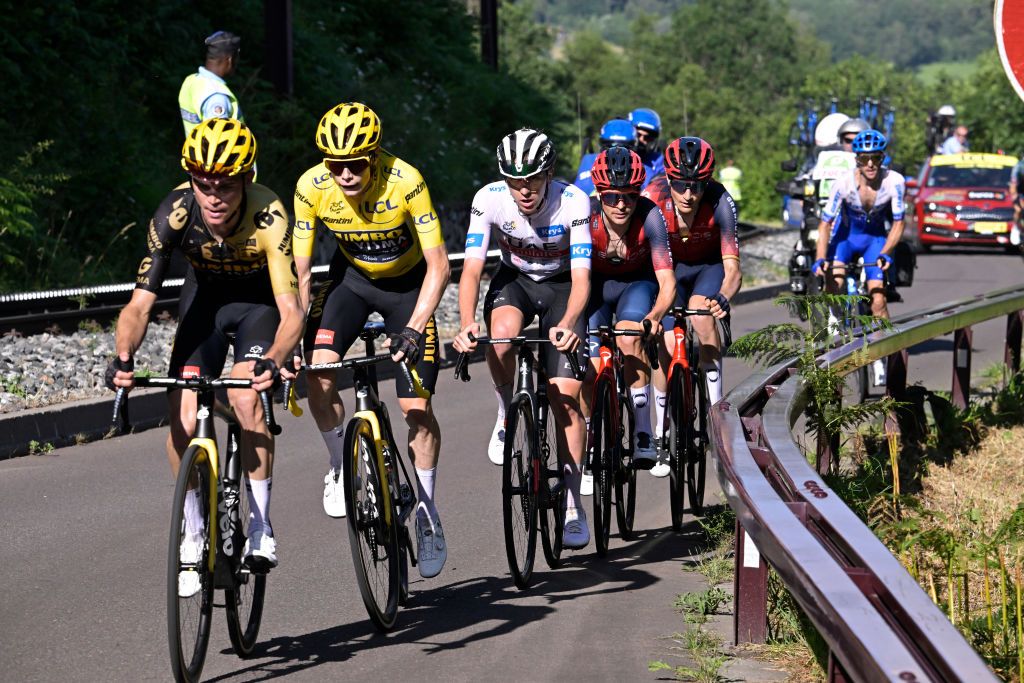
962, 200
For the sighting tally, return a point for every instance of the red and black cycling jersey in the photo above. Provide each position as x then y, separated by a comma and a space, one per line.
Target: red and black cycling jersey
644, 246
712, 236
256, 256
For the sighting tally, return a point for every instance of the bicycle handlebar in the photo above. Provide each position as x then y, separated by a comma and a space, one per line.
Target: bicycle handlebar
410, 374
119, 420
649, 341
462, 362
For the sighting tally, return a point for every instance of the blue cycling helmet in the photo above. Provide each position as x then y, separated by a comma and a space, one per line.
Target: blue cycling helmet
869, 141
618, 132
646, 119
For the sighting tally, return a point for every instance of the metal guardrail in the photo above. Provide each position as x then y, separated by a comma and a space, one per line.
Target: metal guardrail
877, 621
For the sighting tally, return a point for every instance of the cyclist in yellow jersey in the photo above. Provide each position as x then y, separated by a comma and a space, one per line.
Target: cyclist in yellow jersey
241, 284
392, 260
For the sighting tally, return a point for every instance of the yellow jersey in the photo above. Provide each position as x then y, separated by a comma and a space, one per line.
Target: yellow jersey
384, 232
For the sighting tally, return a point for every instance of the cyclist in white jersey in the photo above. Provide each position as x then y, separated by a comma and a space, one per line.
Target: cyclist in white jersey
543, 230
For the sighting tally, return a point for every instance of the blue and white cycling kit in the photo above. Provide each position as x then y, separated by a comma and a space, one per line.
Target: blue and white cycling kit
861, 233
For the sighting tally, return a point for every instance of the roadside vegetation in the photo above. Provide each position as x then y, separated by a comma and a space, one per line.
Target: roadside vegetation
84, 170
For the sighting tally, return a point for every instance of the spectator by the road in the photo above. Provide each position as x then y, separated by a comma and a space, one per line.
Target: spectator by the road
956, 143
730, 176
204, 94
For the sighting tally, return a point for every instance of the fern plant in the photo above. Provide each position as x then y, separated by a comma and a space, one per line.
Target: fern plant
830, 320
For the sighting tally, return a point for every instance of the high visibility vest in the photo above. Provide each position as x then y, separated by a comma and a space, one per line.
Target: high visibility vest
198, 88
730, 176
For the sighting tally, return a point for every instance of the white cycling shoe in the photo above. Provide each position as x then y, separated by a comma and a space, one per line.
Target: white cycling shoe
496, 447
878, 370
576, 533
334, 494
431, 549
661, 467
260, 553
189, 581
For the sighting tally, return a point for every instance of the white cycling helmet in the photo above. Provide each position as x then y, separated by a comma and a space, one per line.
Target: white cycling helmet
946, 110
827, 132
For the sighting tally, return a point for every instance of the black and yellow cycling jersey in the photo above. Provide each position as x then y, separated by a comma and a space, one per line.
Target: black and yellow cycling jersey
383, 232
257, 255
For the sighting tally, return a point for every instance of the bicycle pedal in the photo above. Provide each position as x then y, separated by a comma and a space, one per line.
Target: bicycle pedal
257, 565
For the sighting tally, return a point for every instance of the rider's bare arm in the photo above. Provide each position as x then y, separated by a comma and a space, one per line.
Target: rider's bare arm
132, 323
436, 279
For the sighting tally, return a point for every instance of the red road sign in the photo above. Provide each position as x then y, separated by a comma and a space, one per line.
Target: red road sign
1009, 25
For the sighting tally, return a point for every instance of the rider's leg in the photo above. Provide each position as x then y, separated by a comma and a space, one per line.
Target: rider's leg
708, 283
182, 414
634, 304
563, 397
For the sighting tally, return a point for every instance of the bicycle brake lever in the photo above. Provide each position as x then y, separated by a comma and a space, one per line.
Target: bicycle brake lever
268, 413
119, 419
462, 367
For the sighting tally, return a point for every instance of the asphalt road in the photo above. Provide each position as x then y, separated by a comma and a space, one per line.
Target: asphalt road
85, 528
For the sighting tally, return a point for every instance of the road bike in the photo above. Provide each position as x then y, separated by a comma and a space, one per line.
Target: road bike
223, 507
687, 417
532, 481
610, 438
380, 495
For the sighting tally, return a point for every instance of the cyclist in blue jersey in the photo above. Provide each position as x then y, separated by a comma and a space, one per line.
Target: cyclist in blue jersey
648, 130
867, 199
614, 132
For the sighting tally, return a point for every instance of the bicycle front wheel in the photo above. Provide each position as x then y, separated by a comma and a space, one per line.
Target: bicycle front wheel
697, 451
372, 526
519, 483
679, 426
551, 495
244, 600
625, 472
603, 454
189, 569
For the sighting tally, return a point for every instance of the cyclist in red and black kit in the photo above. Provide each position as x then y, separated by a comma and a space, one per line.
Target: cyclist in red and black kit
632, 277
701, 219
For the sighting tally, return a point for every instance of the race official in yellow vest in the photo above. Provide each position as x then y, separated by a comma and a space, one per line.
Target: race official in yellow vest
730, 176
204, 94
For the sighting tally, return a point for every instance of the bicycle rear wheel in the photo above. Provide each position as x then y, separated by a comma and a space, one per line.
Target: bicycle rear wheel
697, 451
551, 495
372, 526
189, 569
244, 600
679, 427
603, 453
625, 472
520, 477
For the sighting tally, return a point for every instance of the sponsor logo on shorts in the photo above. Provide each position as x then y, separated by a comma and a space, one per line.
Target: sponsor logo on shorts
324, 336
189, 371
255, 350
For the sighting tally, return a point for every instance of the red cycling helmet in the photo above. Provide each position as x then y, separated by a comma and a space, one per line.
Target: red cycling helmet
618, 168
689, 159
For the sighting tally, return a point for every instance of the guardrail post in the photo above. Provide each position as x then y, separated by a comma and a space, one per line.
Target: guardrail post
1013, 339
961, 393
827, 448
750, 591
895, 386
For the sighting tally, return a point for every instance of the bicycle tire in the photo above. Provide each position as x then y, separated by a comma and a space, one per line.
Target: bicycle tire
697, 453
625, 472
603, 453
678, 436
551, 497
519, 482
373, 540
244, 600
189, 618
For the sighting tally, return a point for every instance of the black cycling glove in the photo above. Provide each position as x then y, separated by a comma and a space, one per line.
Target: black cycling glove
113, 366
264, 364
722, 301
407, 342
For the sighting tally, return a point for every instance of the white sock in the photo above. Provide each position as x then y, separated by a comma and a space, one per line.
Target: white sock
714, 375
660, 400
504, 395
335, 440
425, 489
194, 521
258, 491
642, 407
572, 483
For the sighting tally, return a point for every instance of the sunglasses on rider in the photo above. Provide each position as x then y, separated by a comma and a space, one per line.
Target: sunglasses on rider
694, 186
865, 159
848, 139
355, 165
613, 198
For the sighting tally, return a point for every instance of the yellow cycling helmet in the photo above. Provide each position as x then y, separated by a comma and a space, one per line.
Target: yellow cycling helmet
219, 147
347, 130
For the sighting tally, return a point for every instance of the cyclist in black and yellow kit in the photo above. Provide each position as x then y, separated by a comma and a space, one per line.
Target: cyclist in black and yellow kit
242, 282
392, 260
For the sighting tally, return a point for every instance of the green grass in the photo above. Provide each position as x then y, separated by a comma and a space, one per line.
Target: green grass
936, 72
